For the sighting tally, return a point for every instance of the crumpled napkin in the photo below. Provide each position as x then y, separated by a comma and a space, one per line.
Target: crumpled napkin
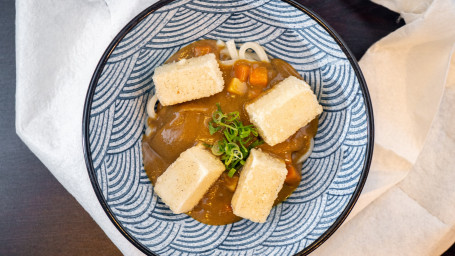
408, 202
407, 206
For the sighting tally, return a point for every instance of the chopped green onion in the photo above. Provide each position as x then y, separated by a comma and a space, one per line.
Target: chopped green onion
238, 139
233, 116
217, 149
213, 129
231, 172
255, 144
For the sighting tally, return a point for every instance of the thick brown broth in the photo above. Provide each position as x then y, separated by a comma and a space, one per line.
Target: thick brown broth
179, 127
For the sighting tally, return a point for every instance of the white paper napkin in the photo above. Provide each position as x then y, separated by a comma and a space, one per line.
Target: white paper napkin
407, 206
408, 202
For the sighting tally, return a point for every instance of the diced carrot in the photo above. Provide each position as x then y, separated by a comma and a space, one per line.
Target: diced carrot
293, 176
242, 71
202, 50
258, 77
236, 86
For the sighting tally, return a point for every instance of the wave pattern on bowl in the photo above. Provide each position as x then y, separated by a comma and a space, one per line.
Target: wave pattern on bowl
117, 118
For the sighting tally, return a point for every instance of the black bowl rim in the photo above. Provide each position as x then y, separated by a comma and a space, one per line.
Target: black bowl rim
94, 81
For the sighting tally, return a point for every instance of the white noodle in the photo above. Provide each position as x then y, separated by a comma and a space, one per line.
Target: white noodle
307, 154
232, 49
151, 106
244, 52
220, 43
256, 48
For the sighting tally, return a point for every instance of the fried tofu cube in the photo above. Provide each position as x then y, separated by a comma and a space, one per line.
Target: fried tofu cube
185, 181
261, 179
188, 79
284, 109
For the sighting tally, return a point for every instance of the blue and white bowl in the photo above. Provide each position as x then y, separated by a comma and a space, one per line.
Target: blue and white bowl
114, 118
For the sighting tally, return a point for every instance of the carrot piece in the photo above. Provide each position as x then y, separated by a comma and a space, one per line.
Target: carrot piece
242, 71
202, 50
293, 176
258, 77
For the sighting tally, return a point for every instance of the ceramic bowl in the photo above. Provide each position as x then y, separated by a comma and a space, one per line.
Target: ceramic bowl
114, 118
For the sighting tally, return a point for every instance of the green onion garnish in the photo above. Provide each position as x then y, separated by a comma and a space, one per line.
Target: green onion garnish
238, 139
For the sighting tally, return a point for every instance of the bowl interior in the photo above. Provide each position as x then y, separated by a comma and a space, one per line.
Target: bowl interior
115, 115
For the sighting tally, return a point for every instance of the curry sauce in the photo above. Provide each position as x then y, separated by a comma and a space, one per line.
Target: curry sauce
181, 126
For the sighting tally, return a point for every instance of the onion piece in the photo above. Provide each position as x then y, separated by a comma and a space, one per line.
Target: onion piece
151, 106
251, 56
256, 48
195, 109
228, 62
148, 131
307, 154
232, 49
